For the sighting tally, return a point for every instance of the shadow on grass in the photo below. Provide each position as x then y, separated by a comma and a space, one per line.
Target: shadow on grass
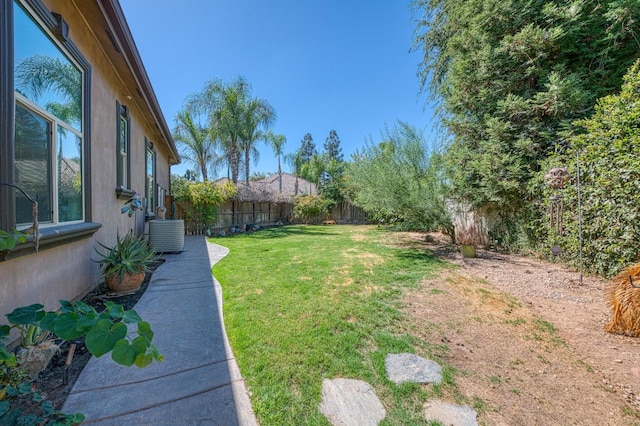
283, 231
424, 256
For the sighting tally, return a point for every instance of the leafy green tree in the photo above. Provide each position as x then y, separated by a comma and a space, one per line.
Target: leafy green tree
180, 187
276, 142
333, 187
398, 180
313, 170
511, 78
310, 206
609, 160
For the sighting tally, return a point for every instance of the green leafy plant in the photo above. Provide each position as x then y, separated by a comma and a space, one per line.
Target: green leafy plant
8, 241
608, 153
104, 331
14, 383
310, 206
26, 320
206, 196
130, 254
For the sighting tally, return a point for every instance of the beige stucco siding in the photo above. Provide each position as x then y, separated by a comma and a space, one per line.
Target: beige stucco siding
68, 271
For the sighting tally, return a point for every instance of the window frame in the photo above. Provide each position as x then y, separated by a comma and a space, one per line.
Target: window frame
123, 171
56, 28
150, 210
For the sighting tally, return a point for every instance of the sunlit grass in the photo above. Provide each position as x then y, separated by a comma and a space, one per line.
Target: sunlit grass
304, 303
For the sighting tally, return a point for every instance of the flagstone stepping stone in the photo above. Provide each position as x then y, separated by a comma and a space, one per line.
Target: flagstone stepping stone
347, 402
450, 414
402, 368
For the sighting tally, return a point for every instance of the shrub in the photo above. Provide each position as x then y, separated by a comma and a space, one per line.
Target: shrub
309, 206
609, 153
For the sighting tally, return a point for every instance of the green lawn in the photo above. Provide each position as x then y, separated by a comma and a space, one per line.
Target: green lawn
304, 303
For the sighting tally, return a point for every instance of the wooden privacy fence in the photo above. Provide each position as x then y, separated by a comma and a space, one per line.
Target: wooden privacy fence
243, 213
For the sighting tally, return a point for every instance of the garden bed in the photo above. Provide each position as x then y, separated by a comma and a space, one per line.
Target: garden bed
57, 380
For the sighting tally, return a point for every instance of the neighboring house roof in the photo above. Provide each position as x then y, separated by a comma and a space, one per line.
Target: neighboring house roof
288, 185
268, 189
118, 43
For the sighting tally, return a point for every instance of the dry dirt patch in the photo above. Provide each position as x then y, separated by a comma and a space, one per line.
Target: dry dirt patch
527, 340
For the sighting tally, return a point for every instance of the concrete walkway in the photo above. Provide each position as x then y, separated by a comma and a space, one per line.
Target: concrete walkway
199, 382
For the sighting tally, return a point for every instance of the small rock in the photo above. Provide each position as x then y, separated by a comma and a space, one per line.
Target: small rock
619, 361
450, 414
407, 367
347, 402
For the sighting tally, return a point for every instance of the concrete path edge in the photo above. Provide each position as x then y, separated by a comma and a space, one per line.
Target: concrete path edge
244, 409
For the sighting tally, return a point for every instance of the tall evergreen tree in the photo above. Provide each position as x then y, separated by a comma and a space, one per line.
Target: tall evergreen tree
332, 146
308, 148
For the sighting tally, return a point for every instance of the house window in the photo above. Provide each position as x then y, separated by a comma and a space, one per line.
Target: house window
150, 179
49, 134
123, 150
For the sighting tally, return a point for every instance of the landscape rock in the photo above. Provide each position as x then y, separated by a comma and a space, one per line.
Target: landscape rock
402, 368
347, 402
450, 414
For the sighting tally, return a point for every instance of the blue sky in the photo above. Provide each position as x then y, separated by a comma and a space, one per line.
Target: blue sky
322, 64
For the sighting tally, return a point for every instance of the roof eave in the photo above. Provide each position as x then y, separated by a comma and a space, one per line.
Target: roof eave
115, 15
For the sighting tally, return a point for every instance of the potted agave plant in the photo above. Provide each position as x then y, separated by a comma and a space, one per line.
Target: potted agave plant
125, 264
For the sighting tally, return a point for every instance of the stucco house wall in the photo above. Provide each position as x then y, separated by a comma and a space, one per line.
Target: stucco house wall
65, 269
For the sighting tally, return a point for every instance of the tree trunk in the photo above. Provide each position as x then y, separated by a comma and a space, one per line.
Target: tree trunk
279, 175
247, 157
235, 165
205, 175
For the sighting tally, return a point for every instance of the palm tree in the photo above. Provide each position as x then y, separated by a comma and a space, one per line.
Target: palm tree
195, 140
295, 160
224, 104
257, 114
276, 142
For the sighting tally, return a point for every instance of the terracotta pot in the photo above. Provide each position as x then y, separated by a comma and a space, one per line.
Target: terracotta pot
468, 250
129, 283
